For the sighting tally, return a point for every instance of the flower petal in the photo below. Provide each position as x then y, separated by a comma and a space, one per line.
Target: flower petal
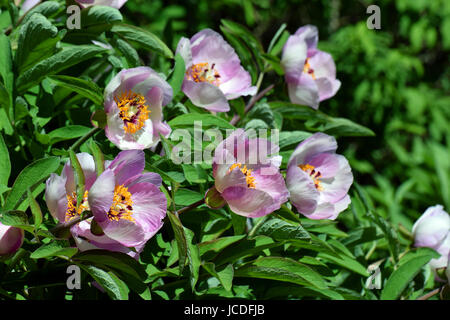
206, 95
55, 197
101, 195
248, 202
308, 148
127, 164
303, 193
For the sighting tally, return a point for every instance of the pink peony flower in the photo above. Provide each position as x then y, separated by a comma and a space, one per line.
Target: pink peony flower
318, 179
214, 73
133, 106
432, 230
109, 3
11, 239
61, 199
247, 177
310, 73
127, 204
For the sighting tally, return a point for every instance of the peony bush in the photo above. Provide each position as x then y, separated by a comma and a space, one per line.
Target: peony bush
190, 166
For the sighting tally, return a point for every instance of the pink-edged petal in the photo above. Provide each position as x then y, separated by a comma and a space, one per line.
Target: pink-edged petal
248, 202
308, 148
303, 193
184, 49
11, 239
431, 228
149, 207
335, 188
225, 178
304, 91
55, 197
128, 233
127, 164
323, 65
309, 34
273, 184
101, 195
206, 95
147, 177
239, 85
326, 163
294, 56
209, 46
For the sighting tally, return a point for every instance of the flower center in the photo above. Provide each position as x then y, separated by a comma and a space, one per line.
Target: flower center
202, 72
247, 172
121, 207
308, 70
72, 210
315, 175
132, 110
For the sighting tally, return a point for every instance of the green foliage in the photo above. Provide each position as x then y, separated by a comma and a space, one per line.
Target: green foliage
390, 116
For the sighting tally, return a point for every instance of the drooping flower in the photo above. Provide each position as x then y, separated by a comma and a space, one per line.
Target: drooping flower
109, 3
432, 230
214, 73
11, 239
310, 73
247, 175
133, 104
127, 204
318, 179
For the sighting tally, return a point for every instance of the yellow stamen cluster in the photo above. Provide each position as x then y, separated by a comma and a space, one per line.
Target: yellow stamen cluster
122, 206
307, 69
202, 72
247, 172
72, 210
133, 111
315, 175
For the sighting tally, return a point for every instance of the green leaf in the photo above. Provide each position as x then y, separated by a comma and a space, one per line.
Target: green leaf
177, 77
180, 237
282, 269
292, 138
66, 58
30, 177
99, 15
207, 120
276, 37
193, 257
37, 41
118, 261
79, 177
346, 262
86, 88
144, 38
47, 8
5, 163
6, 72
405, 273
99, 158
54, 248
128, 52
114, 287
67, 133
280, 230
186, 197
219, 244
319, 121
35, 210
225, 275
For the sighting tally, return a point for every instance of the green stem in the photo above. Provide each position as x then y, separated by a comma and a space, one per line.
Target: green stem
84, 138
192, 206
257, 226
